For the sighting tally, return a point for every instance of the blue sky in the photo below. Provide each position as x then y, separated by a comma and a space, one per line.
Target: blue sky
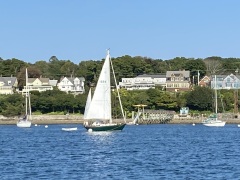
83, 29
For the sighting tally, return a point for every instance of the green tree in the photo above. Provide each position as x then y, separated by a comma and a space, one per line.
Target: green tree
195, 66
200, 98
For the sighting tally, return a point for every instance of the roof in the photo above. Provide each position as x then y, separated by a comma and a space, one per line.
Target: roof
184, 73
72, 79
53, 82
5, 80
224, 76
152, 75
43, 80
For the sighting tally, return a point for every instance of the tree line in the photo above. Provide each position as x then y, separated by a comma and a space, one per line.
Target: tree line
125, 66
200, 99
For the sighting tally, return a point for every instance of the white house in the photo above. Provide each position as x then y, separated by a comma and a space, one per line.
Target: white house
8, 85
39, 84
73, 85
143, 82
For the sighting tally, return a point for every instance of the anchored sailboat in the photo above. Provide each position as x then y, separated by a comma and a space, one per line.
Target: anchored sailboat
98, 110
213, 120
25, 121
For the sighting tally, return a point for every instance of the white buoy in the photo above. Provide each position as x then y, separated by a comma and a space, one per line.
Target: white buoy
46, 126
238, 125
193, 124
89, 130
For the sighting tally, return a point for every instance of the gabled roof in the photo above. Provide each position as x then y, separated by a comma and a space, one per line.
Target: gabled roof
184, 73
53, 82
72, 79
204, 79
224, 76
152, 75
43, 80
8, 81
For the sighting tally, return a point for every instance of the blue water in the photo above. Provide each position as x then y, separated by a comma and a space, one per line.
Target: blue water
138, 152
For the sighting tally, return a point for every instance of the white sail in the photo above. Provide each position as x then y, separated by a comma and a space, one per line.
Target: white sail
100, 107
89, 99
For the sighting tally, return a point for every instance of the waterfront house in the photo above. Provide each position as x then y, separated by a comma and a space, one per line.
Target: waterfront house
143, 82
8, 85
178, 81
72, 85
39, 84
225, 82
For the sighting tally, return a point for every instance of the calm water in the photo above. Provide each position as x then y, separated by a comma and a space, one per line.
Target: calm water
138, 152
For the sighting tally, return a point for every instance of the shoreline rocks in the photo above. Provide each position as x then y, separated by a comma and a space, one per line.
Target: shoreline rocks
78, 119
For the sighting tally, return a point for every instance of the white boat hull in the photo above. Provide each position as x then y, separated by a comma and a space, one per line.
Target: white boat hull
24, 124
69, 129
215, 124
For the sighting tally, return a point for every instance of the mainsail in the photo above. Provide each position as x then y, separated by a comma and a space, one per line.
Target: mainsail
100, 107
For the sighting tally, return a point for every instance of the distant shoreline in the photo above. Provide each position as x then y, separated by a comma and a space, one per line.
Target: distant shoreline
78, 119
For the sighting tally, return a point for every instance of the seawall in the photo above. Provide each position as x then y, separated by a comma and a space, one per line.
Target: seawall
78, 119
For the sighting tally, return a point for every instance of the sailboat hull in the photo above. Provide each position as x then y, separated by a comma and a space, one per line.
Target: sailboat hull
107, 127
24, 124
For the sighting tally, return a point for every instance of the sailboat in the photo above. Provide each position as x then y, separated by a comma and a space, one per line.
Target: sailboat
98, 110
25, 122
213, 120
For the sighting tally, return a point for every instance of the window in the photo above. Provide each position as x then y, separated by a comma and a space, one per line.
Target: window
228, 84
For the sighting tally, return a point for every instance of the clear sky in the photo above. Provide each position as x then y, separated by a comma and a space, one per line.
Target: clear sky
76, 30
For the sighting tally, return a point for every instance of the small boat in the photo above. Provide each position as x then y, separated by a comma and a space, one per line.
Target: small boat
238, 125
69, 129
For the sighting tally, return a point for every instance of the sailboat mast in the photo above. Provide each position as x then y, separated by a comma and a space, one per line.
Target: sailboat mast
109, 86
119, 98
26, 95
216, 105
29, 105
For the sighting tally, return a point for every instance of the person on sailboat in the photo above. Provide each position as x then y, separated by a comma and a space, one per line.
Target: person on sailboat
24, 117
